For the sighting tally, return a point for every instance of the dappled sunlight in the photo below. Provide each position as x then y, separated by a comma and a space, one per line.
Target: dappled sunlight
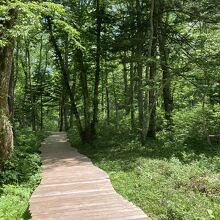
71, 177
136, 86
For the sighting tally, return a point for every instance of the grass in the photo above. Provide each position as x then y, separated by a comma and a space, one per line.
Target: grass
165, 180
20, 176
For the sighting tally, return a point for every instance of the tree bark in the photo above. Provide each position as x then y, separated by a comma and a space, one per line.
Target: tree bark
107, 98
41, 73
151, 133
125, 77
132, 92
32, 95
86, 105
98, 69
11, 92
140, 69
61, 123
6, 58
116, 100
24, 122
73, 89
167, 95
65, 115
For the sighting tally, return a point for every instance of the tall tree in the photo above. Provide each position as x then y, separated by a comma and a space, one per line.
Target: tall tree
139, 53
99, 14
164, 56
151, 131
6, 58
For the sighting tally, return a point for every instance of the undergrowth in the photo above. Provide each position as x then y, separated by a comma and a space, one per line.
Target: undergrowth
168, 179
20, 176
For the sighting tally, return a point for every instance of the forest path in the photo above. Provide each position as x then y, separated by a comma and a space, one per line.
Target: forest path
73, 188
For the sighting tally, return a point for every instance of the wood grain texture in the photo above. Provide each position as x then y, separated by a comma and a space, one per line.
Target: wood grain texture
72, 188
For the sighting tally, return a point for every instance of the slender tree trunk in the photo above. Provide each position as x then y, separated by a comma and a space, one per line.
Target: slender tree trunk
61, 114
65, 108
71, 117
205, 121
167, 95
24, 122
116, 101
33, 115
73, 89
132, 71
66, 80
42, 92
65, 115
98, 69
86, 104
151, 133
107, 98
132, 92
40, 72
103, 95
140, 69
125, 77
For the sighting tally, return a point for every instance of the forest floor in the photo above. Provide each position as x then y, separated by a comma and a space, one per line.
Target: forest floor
73, 188
166, 181
20, 175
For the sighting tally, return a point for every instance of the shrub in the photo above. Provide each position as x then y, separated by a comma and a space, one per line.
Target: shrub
20, 175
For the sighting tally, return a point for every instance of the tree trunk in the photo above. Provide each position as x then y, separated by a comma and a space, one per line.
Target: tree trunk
6, 58
98, 69
42, 93
61, 122
12, 85
6, 134
167, 95
73, 89
125, 77
86, 105
11, 92
116, 101
102, 93
65, 115
140, 69
65, 74
151, 133
107, 98
32, 95
41, 73
24, 122
132, 92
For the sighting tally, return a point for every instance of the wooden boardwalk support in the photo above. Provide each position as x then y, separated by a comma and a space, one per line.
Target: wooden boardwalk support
72, 188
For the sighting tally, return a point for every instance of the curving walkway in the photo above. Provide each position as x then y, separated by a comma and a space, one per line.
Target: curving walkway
73, 188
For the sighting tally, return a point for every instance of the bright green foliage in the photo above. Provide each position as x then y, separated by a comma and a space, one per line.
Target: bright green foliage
65, 49
20, 175
30, 15
167, 179
14, 202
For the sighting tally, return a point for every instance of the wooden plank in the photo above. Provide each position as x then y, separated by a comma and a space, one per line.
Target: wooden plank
87, 197
108, 207
77, 186
124, 214
73, 188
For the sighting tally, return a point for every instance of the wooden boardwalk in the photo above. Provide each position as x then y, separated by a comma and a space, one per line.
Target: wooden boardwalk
73, 188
